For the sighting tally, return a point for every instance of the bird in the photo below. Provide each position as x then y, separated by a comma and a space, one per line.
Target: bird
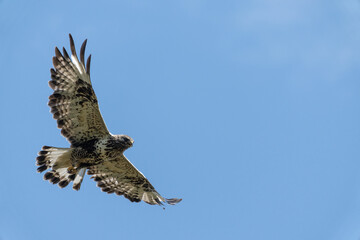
93, 149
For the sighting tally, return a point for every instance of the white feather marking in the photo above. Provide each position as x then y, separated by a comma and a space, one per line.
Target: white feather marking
80, 69
55, 153
77, 64
145, 197
79, 176
63, 173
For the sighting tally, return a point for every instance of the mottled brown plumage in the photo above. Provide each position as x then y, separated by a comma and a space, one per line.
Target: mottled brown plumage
75, 107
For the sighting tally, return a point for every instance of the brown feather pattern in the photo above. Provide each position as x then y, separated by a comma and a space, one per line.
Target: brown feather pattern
119, 176
74, 104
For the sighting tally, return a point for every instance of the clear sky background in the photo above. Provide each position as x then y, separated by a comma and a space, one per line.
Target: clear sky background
248, 110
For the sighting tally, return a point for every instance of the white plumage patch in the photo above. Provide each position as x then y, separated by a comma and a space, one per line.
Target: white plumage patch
78, 179
77, 64
58, 160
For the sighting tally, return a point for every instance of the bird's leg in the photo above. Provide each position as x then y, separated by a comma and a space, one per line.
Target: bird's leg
71, 170
80, 163
74, 165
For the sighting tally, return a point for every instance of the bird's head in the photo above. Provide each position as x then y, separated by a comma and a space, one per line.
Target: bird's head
126, 141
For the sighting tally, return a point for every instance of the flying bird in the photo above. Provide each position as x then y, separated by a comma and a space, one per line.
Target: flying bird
93, 148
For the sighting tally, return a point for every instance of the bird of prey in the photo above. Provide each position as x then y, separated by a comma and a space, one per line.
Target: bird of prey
93, 148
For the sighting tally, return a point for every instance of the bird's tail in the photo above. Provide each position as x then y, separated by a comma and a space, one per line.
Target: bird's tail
62, 171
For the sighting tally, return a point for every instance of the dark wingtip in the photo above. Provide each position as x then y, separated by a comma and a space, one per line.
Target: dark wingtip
173, 201
66, 55
72, 45
82, 52
88, 65
56, 62
58, 53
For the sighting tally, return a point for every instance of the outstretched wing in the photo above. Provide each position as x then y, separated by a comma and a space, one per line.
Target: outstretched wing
74, 103
121, 177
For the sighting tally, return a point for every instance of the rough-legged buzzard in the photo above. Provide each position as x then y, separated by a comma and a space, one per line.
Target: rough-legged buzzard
93, 148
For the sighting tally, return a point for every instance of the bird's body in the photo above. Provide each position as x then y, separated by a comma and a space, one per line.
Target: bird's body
93, 148
97, 151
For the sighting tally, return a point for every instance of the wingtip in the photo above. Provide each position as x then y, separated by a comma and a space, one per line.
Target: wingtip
173, 201
66, 55
88, 65
57, 52
72, 45
55, 62
82, 52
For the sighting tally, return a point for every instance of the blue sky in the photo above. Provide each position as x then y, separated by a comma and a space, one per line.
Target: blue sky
248, 110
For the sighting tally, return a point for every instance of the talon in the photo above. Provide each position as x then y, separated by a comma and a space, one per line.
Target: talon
71, 170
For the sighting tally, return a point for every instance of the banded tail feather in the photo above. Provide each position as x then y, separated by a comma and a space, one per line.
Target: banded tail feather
58, 161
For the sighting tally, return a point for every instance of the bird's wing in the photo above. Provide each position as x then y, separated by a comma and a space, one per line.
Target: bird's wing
121, 177
74, 103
